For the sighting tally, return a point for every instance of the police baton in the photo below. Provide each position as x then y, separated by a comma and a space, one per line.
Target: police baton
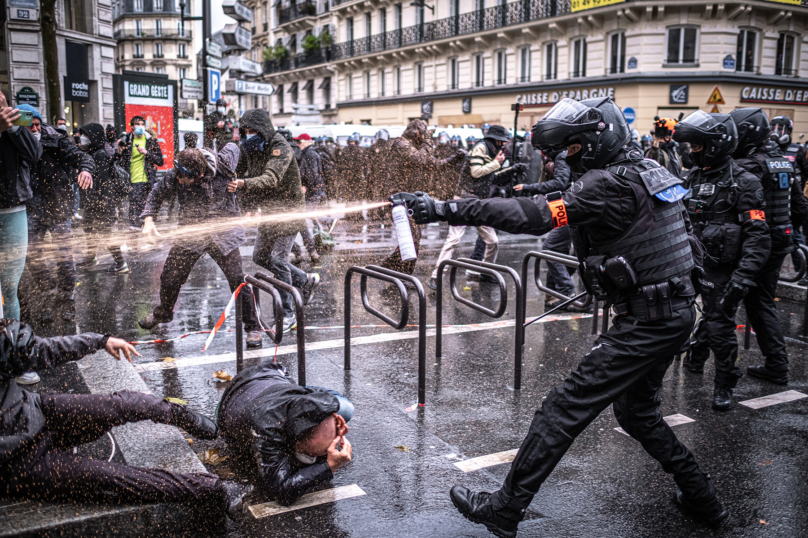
562, 305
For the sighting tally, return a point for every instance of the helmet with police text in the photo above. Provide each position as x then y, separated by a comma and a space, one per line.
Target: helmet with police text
782, 126
598, 125
753, 127
712, 137
443, 138
382, 134
664, 127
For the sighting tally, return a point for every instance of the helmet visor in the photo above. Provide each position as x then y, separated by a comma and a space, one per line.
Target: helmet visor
779, 129
701, 120
567, 111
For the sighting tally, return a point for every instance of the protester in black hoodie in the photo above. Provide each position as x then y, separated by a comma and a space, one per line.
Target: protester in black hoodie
295, 434
37, 431
101, 200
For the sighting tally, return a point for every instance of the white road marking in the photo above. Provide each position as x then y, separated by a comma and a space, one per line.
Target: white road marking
673, 420
306, 501
774, 399
337, 343
490, 460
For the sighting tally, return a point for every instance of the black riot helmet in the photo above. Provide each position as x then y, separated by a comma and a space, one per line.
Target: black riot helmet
781, 129
753, 129
597, 124
717, 134
287, 135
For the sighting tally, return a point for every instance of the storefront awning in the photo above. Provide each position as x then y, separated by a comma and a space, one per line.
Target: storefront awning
292, 87
307, 86
325, 84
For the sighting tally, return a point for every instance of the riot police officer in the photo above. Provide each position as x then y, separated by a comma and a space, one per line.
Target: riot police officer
762, 157
782, 126
631, 234
726, 208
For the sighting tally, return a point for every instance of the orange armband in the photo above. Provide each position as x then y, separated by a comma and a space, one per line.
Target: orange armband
753, 214
559, 211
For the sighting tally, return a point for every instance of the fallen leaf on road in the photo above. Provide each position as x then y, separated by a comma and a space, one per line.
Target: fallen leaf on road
177, 401
766, 462
168, 359
190, 442
221, 374
402, 448
763, 522
211, 457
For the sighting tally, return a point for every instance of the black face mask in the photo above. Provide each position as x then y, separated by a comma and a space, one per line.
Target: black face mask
667, 145
698, 158
575, 162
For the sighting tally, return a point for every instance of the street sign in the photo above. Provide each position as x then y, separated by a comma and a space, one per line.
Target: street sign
214, 49
237, 36
729, 62
249, 87
214, 85
679, 94
27, 96
467, 105
630, 115
192, 89
716, 98
237, 10
240, 63
214, 62
23, 14
632, 63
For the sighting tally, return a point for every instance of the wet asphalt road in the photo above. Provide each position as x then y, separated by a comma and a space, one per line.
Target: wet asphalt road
404, 459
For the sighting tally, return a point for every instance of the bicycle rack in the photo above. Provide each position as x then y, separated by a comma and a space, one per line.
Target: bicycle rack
491, 270
802, 254
266, 283
393, 277
563, 259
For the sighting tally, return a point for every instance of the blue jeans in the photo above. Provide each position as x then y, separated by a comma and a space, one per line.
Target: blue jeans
346, 408
14, 241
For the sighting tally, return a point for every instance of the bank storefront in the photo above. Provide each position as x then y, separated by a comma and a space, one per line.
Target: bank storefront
641, 98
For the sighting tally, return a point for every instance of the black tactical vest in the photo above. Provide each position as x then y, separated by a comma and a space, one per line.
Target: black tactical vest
777, 187
656, 243
791, 152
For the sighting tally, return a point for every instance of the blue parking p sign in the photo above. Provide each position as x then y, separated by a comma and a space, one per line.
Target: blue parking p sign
214, 85
630, 115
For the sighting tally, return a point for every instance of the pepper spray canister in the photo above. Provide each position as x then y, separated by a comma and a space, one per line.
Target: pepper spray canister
401, 223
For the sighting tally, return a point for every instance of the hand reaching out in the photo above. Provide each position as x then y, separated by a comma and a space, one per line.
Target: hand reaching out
116, 345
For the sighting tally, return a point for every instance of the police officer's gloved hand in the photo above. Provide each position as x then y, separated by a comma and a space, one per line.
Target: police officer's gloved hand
733, 296
423, 208
518, 168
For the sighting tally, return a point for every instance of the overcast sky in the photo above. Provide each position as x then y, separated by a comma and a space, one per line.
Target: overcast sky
217, 22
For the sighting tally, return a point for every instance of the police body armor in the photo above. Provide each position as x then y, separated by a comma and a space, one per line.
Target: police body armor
791, 152
645, 272
716, 221
778, 178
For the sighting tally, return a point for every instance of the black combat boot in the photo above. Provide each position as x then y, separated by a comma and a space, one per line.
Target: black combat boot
197, 425
722, 398
761, 372
234, 498
690, 365
711, 512
477, 508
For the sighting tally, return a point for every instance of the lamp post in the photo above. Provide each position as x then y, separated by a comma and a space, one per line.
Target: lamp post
206, 33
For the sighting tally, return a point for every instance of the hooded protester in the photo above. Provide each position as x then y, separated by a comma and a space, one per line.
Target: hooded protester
199, 181
19, 152
101, 200
269, 178
51, 210
139, 154
296, 435
37, 431
411, 162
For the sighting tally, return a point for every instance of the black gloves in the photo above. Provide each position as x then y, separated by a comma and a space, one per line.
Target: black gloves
733, 296
421, 206
502, 177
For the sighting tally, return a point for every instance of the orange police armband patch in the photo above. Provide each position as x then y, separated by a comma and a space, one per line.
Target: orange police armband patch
559, 211
754, 214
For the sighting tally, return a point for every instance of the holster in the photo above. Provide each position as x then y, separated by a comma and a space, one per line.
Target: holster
653, 302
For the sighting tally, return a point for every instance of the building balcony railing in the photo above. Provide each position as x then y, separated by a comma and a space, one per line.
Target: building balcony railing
306, 59
780, 72
151, 33
297, 11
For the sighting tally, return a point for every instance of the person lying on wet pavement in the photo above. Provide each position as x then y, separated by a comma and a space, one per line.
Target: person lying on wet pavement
37, 431
295, 435
617, 212
199, 180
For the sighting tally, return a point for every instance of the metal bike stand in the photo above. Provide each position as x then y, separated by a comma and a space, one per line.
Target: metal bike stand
555, 257
393, 277
275, 335
492, 270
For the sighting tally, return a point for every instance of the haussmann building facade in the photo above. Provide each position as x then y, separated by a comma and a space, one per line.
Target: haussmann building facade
472, 59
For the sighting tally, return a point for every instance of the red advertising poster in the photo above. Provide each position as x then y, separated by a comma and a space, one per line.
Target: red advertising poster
154, 102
